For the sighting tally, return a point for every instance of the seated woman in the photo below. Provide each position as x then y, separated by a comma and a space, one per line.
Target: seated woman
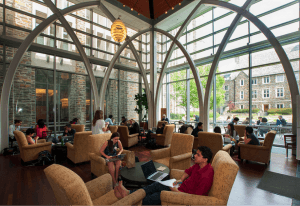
99, 126
230, 132
41, 129
109, 150
29, 134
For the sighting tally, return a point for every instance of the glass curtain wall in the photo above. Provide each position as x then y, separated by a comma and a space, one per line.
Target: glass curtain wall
58, 89
248, 59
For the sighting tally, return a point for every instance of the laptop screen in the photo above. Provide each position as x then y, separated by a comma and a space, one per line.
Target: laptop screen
148, 168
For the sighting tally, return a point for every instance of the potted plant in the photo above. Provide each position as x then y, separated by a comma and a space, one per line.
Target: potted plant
141, 103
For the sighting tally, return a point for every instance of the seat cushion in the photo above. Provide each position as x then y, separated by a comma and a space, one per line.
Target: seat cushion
164, 161
107, 199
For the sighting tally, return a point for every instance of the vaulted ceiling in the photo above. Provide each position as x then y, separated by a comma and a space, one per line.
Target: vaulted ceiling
151, 9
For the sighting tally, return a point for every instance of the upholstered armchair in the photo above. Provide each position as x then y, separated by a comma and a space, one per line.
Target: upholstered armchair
159, 123
214, 141
78, 127
69, 189
113, 128
30, 152
165, 138
79, 152
259, 153
178, 155
98, 164
225, 171
240, 130
126, 139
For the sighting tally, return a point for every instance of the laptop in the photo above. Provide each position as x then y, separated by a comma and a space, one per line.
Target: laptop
67, 138
150, 172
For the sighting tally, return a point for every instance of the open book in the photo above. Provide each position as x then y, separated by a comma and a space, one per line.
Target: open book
116, 158
169, 183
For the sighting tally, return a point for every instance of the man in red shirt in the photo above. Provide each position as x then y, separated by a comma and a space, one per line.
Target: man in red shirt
195, 180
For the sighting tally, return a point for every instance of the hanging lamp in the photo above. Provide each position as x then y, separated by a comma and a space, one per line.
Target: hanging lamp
118, 30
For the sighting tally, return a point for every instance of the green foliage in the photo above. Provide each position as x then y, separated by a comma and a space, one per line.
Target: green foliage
211, 114
176, 116
244, 111
280, 111
141, 102
180, 91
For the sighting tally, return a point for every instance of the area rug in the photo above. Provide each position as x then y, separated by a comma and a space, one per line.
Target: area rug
280, 184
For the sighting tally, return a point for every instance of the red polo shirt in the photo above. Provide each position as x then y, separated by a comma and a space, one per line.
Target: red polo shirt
199, 181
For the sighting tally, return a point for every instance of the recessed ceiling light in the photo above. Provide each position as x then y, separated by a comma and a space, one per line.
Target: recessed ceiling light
179, 4
172, 8
131, 9
166, 12
123, 5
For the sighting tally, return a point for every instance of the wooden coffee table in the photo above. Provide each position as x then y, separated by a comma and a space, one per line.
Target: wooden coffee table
134, 177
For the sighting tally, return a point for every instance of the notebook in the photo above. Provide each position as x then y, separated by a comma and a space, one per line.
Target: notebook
150, 172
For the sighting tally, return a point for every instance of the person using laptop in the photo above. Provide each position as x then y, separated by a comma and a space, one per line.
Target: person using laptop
108, 151
69, 131
196, 180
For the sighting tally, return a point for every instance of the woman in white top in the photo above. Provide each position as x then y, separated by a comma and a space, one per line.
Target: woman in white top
99, 126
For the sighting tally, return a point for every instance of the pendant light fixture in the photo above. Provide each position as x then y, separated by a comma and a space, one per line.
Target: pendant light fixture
118, 30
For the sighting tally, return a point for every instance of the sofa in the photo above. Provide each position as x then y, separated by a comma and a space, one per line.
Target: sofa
165, 138
79, 152
78, 127
98, 164
259, 153
30, 152
69, 189
225, 171
126, 139
178, 155
214, 141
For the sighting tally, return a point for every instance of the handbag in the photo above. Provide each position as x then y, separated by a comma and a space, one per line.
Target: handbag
130, 160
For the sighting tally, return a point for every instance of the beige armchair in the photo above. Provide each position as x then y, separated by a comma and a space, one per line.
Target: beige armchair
78, 127
98, 164
178, 155
214, 141
30, 152
159, 123
225, 171
79, 151
165, 138
69, 189
126, 139
240, 130
113, 128
259, 153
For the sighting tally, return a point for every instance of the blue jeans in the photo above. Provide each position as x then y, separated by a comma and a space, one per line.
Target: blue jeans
153, 193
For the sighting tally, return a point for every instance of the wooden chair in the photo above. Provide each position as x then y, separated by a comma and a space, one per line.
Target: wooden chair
289, 142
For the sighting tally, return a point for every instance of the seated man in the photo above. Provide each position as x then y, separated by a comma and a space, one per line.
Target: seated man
133, 127
197, 129
68, 131
280, 121
250, 138
264, 130
165, 118
196, 119
246, 121
123, 121
196, 180
235, 120
12, 128
259, 120
109, 120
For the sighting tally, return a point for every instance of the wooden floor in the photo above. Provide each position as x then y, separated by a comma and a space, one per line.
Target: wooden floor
22, 185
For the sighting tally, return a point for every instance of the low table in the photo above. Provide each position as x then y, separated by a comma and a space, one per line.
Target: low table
134, 177
59, 152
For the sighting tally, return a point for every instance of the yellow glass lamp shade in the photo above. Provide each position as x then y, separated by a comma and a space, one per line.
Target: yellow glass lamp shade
118, 31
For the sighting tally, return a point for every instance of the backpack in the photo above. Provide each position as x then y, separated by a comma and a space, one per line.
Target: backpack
45, 158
